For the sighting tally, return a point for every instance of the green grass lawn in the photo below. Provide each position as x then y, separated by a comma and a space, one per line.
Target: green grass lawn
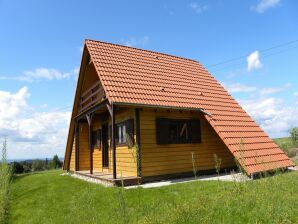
48, 197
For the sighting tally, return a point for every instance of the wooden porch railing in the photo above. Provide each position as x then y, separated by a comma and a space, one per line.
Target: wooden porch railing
91, 96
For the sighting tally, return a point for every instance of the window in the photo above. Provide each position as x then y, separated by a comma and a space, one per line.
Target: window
178, 131
121, 131
96, 138
125, 132
174, 131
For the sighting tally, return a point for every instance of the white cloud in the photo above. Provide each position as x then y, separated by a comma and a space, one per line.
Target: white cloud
238, 87
81, 48
44, 73
253, 61
40, 74
31, 134
12, 104
295, 93
272, 114
272, 90
268, 91
76, 71
197, 8
263, 5
135, 42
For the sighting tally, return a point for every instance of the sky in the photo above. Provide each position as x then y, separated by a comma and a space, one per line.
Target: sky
250, 46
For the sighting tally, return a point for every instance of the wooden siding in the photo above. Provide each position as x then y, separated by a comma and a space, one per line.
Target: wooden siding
177, 158
84, 163
97, 152
125, 157
72, 165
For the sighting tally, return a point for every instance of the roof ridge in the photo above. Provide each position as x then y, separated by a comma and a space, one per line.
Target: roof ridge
141, 49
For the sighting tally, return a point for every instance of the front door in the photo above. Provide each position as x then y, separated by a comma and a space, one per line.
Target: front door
105, 146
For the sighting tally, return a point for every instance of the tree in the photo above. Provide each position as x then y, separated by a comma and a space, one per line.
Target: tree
38, 165
56, 163
46, 164
17, 168
294, 135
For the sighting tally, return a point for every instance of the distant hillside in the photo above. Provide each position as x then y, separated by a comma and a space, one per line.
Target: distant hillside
288, 147
30, 160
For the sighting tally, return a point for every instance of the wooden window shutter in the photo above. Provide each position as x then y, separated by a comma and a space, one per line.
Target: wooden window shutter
98, 142
195, 131
162, 131
110, 133
130, 128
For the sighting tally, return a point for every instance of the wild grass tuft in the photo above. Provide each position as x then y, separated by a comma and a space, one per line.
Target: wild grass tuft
217, 162
194, 164
5, 178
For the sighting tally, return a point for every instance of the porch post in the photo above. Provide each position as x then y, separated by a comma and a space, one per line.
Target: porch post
138, 142
77, 145
90, 124
114, 141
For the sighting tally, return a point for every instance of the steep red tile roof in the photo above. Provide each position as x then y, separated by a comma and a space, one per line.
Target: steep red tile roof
136, 76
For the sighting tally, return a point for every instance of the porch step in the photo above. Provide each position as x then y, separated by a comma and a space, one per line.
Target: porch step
106, 179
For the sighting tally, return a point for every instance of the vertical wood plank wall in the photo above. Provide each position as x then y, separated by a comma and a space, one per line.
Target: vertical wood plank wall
177, 158
72, 165
97, 152
84, 163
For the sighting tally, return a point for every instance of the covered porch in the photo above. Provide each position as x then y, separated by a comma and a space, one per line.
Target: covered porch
98, 161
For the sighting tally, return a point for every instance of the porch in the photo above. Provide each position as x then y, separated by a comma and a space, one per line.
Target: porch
94, 143
107, 178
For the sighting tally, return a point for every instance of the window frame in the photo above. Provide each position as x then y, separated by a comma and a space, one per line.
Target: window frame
164, 131
124, 125
96, 138
179, 139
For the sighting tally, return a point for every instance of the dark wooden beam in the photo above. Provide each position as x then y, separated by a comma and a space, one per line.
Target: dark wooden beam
138, 142
113, 138
99, 106
109, 108
77, 142
90, 124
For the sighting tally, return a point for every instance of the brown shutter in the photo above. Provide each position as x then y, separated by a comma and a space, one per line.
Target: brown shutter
110, 133
162, 131
130, 128
98, 142
195, 131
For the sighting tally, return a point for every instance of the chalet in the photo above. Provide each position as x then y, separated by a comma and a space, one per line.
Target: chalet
143, 115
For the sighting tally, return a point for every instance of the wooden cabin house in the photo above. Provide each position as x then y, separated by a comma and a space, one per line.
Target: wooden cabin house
143, 115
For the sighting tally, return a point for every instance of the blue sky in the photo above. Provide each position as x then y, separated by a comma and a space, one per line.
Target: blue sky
41, 46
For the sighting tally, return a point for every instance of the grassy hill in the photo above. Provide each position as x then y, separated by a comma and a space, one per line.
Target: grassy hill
48, 197
288, 147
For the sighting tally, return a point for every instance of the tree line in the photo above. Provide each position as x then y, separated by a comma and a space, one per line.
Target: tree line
28, 166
